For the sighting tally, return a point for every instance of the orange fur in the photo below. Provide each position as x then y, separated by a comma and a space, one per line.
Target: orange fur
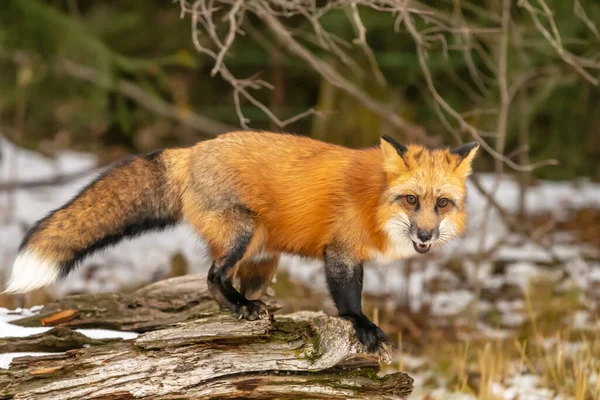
307, 194
255, 276
285, 193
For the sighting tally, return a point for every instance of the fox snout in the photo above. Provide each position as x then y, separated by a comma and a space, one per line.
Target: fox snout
424, 226
426, 235
423, 237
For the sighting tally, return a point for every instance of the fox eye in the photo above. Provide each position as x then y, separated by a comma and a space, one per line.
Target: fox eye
410, 199
442, 202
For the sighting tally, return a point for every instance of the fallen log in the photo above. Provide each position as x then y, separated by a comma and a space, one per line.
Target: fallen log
151, 307
304, 355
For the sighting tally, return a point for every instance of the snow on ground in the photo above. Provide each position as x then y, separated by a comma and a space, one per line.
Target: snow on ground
148, 258
9, 330
523, 387
418, 283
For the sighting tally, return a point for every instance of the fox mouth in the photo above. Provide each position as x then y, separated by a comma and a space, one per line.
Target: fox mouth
421, 248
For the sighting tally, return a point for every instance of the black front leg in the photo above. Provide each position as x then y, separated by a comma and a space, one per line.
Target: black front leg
344, 280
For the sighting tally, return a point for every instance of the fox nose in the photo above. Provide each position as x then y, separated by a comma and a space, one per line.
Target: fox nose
424, 236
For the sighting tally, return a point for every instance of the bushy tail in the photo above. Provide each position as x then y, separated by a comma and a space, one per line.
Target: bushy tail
135, 196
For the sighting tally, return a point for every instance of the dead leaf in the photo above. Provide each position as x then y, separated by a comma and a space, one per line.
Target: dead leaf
60, 317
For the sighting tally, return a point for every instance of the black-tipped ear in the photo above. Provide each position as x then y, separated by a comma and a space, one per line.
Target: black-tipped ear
400, 148
464, 150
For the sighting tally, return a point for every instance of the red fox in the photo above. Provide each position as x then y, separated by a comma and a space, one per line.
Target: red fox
254, 195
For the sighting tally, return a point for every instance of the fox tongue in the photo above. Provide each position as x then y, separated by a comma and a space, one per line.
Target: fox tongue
421, 248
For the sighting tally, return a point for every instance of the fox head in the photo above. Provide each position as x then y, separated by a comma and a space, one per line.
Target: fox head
424, 201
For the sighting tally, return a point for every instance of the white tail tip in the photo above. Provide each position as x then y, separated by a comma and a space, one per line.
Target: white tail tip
31, 272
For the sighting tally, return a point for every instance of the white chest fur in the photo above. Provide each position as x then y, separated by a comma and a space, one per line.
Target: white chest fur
397, 248
399, 244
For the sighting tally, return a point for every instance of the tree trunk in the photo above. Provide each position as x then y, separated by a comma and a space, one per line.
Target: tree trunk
304, 355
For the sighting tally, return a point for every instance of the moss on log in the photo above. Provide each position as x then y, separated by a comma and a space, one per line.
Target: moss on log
304, 355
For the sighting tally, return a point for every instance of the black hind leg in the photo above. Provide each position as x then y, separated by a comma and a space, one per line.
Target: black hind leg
220, 283
255, 276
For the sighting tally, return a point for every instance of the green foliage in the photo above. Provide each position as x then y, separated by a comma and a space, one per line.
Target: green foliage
147, 43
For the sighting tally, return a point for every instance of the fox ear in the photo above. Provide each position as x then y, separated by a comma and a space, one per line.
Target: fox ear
466, 154
393, 155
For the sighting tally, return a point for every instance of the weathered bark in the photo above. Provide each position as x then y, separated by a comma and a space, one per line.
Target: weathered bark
157, 305
56, 339
302, 355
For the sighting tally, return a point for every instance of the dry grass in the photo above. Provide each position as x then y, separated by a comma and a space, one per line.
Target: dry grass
564, 361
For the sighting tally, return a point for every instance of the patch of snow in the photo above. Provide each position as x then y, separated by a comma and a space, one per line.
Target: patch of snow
416, 294
533, 253
414, 363
512, 306
484, 307
580, 320
513, 320
493, 333
9, 330
478, 272
448, 304
494, 282
523, 274
523, 387
8, 315
581, 272
443, 394
513, 313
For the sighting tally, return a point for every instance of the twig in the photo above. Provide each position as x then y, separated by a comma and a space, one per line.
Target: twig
504, 103
203, 15
421, 53
512, 222
555, 43
233, 27
579, 12
202, 123
362, 40
413, 131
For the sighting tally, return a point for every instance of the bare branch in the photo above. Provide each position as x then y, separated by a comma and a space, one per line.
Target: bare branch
362, 40
504, 104
566, 56
446, 107
149, 101
440, 25
234, 25
414, 132
579, 11
503, 83
201, 14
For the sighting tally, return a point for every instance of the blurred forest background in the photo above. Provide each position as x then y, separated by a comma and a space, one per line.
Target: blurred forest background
115, 77
510, 311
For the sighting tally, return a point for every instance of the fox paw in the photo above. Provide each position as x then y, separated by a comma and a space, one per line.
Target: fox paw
252, 310
374, 340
